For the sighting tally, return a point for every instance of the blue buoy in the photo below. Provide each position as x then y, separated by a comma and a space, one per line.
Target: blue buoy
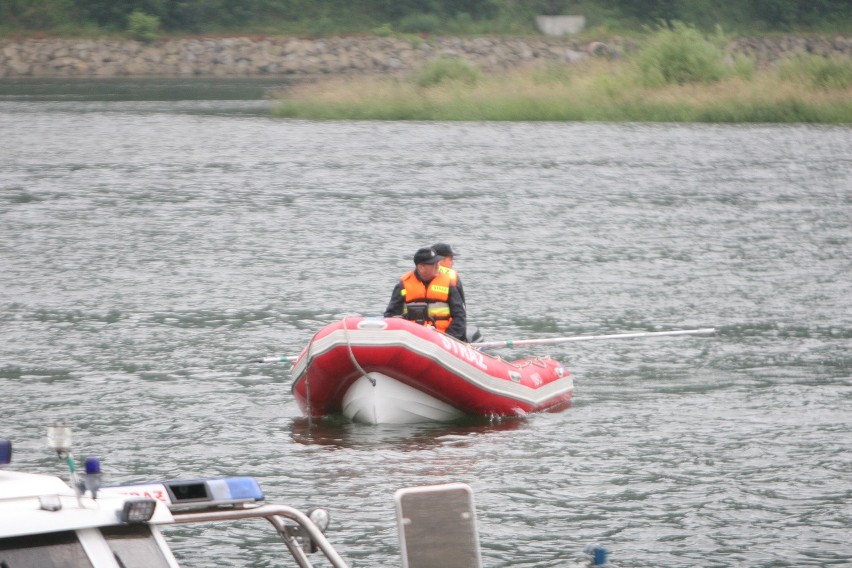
597, 553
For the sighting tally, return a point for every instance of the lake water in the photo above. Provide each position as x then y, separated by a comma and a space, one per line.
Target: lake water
154, 240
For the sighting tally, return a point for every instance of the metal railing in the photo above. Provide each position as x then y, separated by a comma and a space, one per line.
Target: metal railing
275, 514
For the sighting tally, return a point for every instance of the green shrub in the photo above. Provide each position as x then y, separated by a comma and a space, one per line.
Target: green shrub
385, 30
679, 55
447, 69
817, 71
35, 14
462, 24
743, 67
419, 23
143, 27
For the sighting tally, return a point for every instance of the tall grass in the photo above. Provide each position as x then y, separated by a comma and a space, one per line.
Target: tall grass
817, 71
599, 92
678, 77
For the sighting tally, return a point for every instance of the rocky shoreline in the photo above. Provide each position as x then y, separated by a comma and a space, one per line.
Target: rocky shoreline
271, 57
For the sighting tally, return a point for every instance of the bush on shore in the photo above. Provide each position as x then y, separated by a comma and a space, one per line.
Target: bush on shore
445, 70
143, 27
679, 55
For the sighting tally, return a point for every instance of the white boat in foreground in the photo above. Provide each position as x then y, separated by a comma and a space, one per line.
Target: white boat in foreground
48, 523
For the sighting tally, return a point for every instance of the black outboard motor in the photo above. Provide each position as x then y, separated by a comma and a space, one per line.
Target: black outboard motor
472, 334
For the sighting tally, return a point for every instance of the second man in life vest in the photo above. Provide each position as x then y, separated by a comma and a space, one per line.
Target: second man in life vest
446, 265
429, 297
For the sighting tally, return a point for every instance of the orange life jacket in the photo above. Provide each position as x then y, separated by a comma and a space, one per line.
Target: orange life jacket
454, 276
435, 298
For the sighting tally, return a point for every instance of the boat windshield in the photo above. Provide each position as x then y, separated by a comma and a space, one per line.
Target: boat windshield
134, 546
57, 549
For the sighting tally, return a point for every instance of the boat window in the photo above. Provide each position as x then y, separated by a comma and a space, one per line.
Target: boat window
134, 546
51, 550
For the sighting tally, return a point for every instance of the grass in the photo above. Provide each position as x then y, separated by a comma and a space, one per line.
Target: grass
678, 76
594, 91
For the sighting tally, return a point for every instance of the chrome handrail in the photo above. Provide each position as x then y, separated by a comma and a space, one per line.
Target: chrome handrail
272, 513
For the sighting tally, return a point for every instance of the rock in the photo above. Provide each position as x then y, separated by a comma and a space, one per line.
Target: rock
572, 56
598, 49
243, 56
14, 66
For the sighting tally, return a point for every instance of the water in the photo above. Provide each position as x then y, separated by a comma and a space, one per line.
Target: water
149, 249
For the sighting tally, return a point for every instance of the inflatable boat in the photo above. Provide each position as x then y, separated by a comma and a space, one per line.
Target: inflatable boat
390, 370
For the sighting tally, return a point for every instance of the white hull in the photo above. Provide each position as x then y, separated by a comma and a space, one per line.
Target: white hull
389, 401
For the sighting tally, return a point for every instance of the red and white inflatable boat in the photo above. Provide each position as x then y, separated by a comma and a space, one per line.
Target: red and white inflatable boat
390, 370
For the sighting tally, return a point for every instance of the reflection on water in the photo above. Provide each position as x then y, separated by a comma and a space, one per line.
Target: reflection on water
339, 432
148, 89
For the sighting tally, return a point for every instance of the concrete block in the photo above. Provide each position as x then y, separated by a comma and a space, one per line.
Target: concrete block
560, 25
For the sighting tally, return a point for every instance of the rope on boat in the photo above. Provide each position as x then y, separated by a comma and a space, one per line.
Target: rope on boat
352, 355
308, 379
308, 361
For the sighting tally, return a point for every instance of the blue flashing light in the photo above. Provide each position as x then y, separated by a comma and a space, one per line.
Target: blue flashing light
93, 465
236, 489
5, 451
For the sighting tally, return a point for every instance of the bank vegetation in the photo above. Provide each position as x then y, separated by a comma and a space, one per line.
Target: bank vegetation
151, 19
679, 75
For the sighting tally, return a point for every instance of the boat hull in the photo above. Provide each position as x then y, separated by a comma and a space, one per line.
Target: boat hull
379, 399
389, 370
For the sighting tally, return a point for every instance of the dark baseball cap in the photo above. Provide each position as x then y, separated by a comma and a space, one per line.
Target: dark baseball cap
443, 249
427, 256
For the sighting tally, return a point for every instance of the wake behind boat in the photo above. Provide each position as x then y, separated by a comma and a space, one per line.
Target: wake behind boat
391, 370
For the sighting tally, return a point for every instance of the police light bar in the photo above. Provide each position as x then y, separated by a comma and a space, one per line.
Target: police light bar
195, 493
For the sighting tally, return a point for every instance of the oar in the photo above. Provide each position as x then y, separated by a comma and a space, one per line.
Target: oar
546, 341
554, 340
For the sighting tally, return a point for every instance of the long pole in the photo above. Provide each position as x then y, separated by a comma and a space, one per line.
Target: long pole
545, 341
555, 340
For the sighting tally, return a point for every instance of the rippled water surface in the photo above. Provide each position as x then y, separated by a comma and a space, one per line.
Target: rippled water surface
150, 249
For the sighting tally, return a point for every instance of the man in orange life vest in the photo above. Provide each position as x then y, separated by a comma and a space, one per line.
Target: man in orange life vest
429, 297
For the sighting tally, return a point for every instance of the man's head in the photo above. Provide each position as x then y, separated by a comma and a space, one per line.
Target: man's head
426, 260
446, 251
